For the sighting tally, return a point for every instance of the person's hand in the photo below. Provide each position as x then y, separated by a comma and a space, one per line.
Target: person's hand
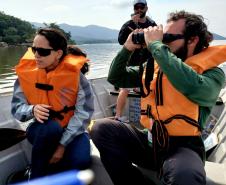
135, 18
129, 43
152, 34
41, 112
58, 154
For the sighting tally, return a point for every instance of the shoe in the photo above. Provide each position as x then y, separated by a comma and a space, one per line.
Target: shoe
122, 119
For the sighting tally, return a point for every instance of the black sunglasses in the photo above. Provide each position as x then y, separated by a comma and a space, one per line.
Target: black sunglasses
140, 6
168, 37
42, 51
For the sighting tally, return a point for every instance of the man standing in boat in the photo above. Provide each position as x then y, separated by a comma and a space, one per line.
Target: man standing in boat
174, 105
139, 20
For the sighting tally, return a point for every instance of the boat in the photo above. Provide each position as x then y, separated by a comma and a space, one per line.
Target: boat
17, 157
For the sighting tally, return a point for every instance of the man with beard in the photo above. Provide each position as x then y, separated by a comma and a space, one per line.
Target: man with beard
139, 20
174, 107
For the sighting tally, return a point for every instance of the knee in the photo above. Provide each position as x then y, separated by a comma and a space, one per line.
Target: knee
54, 128
50, 129
101, 130
81, 163
185, 175
97, 130
190, 176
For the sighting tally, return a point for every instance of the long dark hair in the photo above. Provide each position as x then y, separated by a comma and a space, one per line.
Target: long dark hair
74, 50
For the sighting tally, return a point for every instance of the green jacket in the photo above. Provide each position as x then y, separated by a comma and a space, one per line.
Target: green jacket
202, 89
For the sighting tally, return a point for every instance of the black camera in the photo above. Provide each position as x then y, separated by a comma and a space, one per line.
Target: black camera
138, 38
134, 14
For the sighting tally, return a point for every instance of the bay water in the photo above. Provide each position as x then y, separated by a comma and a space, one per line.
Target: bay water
100, 56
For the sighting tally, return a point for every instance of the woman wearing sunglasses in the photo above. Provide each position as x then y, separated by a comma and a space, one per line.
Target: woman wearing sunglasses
53, 92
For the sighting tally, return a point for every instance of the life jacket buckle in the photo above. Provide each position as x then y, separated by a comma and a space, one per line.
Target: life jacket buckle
147, 112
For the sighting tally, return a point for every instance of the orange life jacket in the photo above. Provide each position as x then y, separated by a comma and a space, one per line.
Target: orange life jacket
166, 105
57, 88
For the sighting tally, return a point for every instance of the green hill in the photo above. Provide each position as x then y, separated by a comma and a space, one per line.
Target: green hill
15, 31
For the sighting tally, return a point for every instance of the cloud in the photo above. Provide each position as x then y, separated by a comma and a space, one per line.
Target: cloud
112, 5
120, 4
57, 8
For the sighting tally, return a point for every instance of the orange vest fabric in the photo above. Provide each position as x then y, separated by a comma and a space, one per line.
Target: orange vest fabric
175, 105
64, 79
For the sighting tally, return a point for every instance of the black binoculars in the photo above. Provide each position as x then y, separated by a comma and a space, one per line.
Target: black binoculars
138, 38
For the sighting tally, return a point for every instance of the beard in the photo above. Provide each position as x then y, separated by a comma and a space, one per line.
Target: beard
182, 52
142, 15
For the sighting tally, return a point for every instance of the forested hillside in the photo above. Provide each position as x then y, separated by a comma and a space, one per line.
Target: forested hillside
14, 30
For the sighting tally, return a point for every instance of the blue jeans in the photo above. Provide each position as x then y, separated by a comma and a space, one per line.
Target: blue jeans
45, 139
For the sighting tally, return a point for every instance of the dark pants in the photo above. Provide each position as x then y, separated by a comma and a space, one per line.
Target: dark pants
123, 148
45, 139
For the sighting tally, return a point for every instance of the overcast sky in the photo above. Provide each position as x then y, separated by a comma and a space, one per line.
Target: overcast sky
111, 13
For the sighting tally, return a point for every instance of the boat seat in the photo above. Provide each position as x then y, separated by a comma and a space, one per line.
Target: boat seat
131, 94
215, 173
216, 162
103, 101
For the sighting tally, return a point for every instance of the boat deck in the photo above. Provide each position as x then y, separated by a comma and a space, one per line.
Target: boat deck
17, 157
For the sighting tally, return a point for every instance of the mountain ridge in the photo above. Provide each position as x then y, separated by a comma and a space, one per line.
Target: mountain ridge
96, 34
88, 34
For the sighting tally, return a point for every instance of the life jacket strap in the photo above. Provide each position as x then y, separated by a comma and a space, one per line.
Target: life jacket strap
160, 139
58, 115
55, 114
160, 133
185, 118
45, 87
148, 76
147, 111
159, 94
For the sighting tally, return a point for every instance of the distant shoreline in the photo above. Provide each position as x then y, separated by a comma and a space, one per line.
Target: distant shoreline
5, 45
29, 45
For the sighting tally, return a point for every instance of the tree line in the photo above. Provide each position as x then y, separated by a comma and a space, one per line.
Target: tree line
14, 31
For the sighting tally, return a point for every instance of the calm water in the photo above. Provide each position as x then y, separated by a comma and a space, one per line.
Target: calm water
100, 56
9, 57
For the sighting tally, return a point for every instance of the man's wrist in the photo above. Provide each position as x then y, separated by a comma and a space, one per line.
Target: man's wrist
152, 45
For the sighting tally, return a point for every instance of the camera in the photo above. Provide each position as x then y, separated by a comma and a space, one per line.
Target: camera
138, 38
134, 14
